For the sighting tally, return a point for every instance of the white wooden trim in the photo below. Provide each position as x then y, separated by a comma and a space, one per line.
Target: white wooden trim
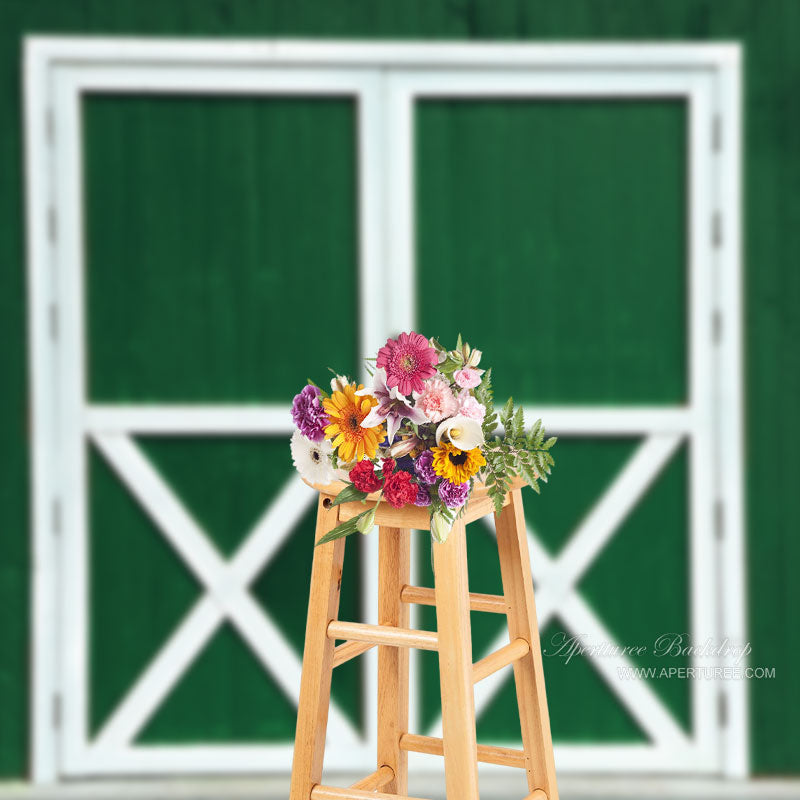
70, 377
45, 448
226, 584
320, 53
183, 419
276, 419
385, 79
557, 592
730, 412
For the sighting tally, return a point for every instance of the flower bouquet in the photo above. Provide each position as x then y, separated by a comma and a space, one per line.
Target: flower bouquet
422, 434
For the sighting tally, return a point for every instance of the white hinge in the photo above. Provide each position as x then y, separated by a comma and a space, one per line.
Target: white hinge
716, 133
722, 709
57, 710
52, 317
716, 229
719, 519
49, 125
52, 224
56, 515
716, 326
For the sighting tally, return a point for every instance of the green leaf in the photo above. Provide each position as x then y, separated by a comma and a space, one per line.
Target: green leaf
344, 529
348, 494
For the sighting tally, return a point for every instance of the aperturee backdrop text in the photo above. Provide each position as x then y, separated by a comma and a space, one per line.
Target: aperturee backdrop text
422, 434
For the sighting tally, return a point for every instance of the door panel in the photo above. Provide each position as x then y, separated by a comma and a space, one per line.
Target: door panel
575, 209
550, 208
204, 284
221, 242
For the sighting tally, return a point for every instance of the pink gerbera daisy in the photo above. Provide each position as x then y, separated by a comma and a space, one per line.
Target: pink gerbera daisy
408, 361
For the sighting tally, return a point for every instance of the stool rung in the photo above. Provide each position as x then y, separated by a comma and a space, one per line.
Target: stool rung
383, 634
422, 596
537, 794
344, 652
376, 781
320, 792
489, 754
506, 655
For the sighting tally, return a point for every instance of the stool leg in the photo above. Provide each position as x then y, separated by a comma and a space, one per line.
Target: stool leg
455, 665
515, 565
315, 684
394, 565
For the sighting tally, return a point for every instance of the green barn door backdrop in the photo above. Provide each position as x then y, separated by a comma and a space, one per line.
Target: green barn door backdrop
234, 244
221, 273
527, 206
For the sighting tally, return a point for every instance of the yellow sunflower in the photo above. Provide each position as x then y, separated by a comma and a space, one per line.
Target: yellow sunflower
457, 466
346, 412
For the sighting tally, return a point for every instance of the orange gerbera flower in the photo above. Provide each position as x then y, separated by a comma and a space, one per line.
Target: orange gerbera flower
346, 411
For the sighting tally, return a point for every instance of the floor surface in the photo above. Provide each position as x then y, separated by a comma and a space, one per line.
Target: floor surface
493, 787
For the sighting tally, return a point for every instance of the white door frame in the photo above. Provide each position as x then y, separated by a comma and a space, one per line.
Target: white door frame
384, 80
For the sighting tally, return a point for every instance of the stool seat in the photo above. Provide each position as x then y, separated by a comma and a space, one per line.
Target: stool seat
415, 517
452, 641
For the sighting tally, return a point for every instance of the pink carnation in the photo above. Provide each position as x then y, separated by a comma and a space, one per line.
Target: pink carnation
468, 406
468, 377
437, 400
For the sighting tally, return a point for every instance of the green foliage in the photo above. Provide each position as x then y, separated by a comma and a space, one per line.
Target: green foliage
485, 395
349, 494
345, 528
517, 453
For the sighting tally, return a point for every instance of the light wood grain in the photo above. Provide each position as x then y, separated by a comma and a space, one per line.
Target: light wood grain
537, 794
394, 568
515, 567
333, 793
455, 665
376, 781
487, 754
380, 634
344, 652
500, 658
315, 683
410, 516
423, 596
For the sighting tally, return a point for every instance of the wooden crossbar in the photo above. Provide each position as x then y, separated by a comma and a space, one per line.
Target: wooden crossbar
344, 652
320, 792
376, 781
383, 634
506, 655
488, 754
422, 596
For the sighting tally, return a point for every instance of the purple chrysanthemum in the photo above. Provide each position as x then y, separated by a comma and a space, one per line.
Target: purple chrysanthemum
454, 495
423, 466
423, 498
308, 413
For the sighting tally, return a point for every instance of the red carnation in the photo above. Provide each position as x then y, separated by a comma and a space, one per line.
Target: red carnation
387, 467
399, 490
364, 478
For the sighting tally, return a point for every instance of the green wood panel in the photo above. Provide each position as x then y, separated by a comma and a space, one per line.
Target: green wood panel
240, 226
638, 587
526, 205
551, 206
221, 239
772, 172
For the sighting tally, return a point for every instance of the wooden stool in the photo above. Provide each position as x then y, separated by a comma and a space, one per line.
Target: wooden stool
393, 637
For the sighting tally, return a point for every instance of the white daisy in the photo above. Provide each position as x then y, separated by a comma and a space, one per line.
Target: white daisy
312, 459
